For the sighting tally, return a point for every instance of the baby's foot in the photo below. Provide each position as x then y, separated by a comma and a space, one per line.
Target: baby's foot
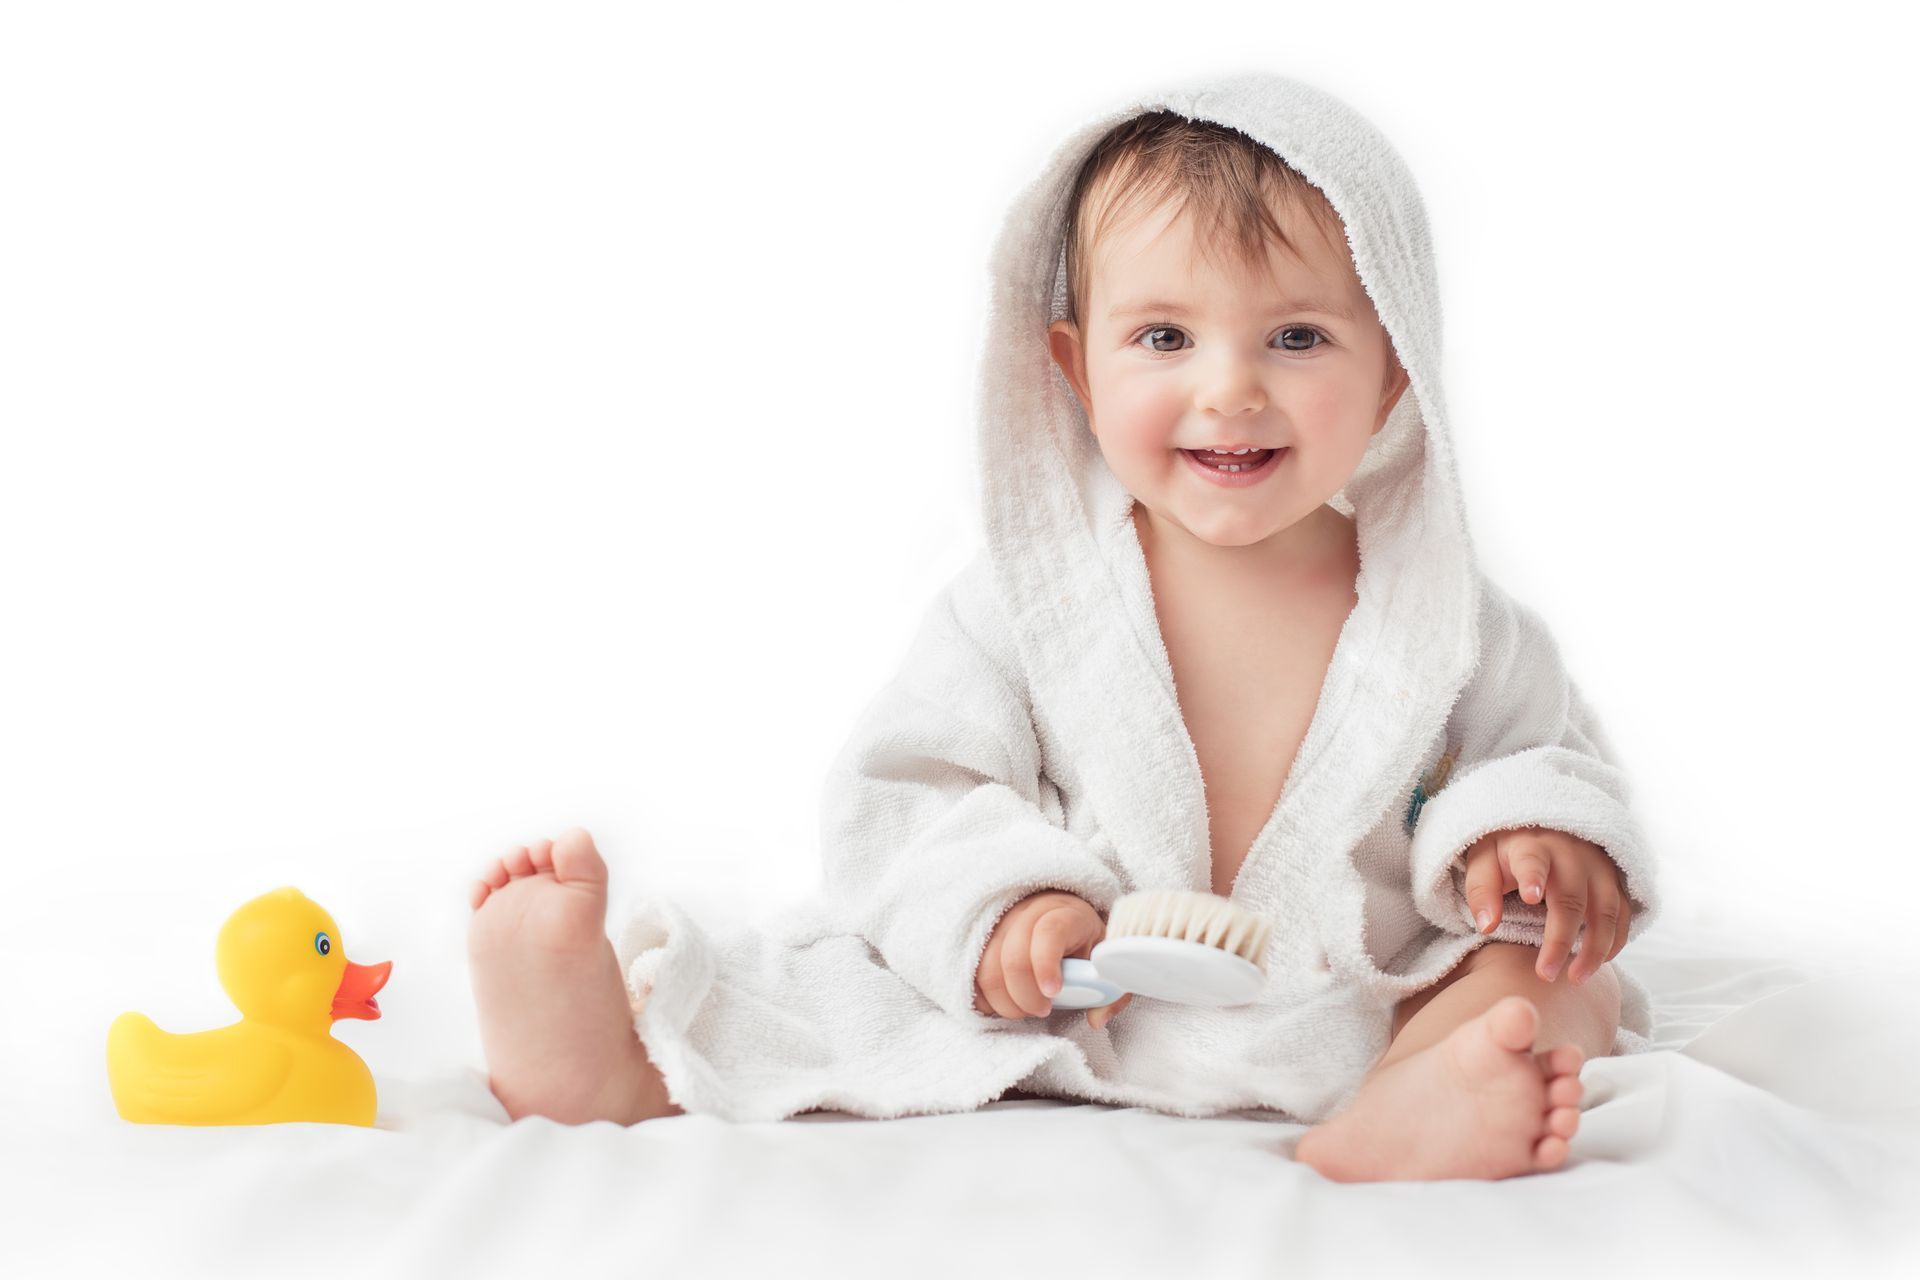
1479, 1104
554, 1017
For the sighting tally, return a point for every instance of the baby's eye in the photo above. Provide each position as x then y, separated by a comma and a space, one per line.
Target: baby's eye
1163, 328
1308, 330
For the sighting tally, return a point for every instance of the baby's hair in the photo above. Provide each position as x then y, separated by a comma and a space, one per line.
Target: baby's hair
1225, 176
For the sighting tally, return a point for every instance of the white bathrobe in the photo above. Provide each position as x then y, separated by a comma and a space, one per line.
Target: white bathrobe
1033, 740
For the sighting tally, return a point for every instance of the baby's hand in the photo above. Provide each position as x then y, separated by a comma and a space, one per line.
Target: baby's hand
1576, 877
1020, 968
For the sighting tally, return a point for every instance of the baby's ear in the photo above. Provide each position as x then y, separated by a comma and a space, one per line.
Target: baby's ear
1063, 340
1396, 387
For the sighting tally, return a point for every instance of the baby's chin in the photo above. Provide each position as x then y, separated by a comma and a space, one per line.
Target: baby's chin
1289, 537
1227, 532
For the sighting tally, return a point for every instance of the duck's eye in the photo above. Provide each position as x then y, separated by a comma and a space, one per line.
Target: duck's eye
322, 943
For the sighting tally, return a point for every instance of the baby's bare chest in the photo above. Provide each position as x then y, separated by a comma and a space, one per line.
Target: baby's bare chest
1248, 677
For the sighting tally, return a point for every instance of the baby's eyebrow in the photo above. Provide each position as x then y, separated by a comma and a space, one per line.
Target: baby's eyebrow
1153, 306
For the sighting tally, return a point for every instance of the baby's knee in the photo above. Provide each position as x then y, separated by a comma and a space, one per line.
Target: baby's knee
1520, 961
1504, 957
1515, 967
1605, 985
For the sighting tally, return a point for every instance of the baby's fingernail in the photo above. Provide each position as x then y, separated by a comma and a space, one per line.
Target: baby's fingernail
1549, 972
1051, 986
1483, 917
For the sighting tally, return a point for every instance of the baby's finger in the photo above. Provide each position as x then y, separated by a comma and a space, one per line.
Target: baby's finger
1620, 932
1566, 905
1527, 859
988, 984
1016, 967
1603, 911
1483, 886
1058, 933
1102, 1016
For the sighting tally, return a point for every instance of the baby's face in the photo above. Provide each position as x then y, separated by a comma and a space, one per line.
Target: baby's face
1181, 353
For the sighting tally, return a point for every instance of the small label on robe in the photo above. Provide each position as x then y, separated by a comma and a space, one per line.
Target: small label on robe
1429, 786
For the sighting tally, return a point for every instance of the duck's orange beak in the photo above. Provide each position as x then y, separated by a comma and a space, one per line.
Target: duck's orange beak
355, 999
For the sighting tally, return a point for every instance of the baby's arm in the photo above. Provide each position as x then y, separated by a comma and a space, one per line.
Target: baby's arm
1530, 752
932, 824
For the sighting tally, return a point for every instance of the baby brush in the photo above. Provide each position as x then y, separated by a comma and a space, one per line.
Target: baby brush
1171, 944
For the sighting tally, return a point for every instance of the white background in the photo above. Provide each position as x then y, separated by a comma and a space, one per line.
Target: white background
426, 429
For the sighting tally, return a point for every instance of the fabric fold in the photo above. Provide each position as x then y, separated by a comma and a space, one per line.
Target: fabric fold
934, 822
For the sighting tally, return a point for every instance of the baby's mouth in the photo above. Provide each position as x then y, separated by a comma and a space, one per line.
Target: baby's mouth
1230, 462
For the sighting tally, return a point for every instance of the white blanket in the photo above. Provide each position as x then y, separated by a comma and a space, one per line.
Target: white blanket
1771, 1131
1032, 739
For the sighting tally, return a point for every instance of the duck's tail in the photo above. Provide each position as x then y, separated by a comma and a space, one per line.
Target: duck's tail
130, 1043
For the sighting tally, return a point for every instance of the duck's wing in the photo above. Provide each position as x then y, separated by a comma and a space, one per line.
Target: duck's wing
203, 1077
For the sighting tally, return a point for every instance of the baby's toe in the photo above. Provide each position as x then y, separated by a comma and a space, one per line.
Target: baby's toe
519, 862
1550, 1152
540, 853
495, 876
575, 859
1562, 1061
1513, 1022
1565, 1091
1562, 1121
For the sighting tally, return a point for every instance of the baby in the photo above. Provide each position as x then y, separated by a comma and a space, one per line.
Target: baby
1233, 372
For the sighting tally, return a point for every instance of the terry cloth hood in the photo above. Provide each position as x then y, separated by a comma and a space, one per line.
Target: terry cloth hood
1032, 739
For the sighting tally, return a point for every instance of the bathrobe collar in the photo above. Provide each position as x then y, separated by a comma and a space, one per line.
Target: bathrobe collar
1072, 578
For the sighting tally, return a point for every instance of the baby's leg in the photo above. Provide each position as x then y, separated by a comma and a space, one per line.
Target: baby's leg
1466, 1088
554, 1017
1586, 1016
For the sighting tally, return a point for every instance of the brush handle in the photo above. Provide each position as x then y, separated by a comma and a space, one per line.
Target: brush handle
1082, 987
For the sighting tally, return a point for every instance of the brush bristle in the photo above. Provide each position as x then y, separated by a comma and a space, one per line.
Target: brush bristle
1187, 914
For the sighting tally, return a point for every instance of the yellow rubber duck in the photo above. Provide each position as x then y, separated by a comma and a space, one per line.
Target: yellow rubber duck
282, 965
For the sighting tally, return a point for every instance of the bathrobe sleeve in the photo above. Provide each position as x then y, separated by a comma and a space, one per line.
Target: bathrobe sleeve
1529, 751
936, 818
